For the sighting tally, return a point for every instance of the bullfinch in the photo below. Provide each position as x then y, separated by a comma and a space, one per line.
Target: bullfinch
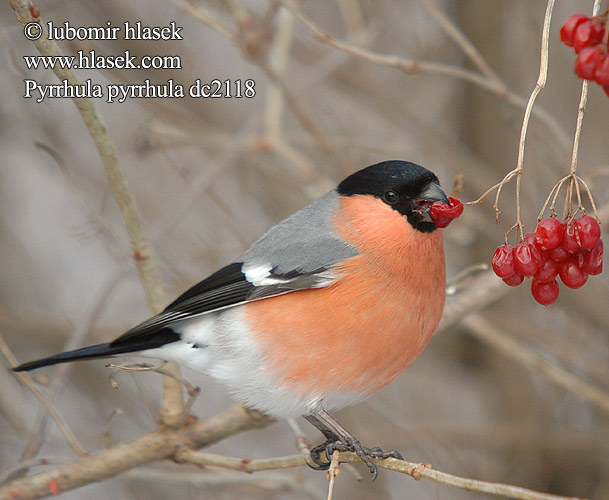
327, 307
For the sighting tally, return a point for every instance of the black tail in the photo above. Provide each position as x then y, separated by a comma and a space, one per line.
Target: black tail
118, 346
91, 352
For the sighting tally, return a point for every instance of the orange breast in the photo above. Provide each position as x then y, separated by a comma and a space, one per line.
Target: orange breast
362, 331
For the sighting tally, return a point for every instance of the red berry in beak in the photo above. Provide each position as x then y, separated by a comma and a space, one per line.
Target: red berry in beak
443, 214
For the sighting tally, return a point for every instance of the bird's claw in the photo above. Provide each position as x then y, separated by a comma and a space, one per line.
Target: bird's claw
366, 454
315, 455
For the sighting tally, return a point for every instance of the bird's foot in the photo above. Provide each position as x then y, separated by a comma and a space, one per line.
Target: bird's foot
366, 454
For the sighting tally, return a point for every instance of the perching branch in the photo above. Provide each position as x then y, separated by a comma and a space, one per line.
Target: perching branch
415, 470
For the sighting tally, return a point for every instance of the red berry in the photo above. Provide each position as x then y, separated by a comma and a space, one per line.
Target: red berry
571, 274
588, 231
558, 254
529, 238
601, 75
606, 89
514, 280
547, 271
526, 259
545, 293
439, 220
548, 234
442, 214
587, 61
568, 29
570, 237
593, 260
588, 34
539, 254
503, 261
455, 209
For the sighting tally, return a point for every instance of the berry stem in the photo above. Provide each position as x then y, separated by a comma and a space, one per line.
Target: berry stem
573, 178
578, 127
517, 172
519, 233
606, 35
580, 111
553, 195
579, 183
590, 198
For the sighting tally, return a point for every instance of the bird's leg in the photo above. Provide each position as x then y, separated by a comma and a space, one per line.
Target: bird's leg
331, 438
339, 438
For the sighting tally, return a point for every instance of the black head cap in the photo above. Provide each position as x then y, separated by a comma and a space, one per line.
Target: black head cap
406, 187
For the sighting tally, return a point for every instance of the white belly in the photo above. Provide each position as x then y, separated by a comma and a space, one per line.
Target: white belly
219, 345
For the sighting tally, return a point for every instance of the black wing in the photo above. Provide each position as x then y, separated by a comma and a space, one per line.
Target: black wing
225, 288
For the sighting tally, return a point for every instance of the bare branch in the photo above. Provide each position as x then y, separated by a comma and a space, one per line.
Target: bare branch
173, 406
411, 66
202, 15
460, 39
160, 444
502, 341
278, 61
415, 470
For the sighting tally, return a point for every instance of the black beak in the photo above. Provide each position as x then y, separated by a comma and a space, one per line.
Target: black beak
432, 193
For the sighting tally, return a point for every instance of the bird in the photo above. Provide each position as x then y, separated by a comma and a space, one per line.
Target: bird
326, 308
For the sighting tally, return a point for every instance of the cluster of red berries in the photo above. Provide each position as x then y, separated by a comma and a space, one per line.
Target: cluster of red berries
587, 36
571, 250
442, 214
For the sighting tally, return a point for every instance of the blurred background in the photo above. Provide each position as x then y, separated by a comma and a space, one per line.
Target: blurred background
211, 175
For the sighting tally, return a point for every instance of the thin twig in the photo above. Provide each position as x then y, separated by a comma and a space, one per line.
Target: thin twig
278, 61
333, 473
302, 114
461, 40
351, 13
201, 14
490, 334
86, 208
302, 443
29, 384
411, 66
192, 390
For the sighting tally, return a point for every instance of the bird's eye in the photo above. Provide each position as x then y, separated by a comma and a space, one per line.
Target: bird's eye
391, 196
